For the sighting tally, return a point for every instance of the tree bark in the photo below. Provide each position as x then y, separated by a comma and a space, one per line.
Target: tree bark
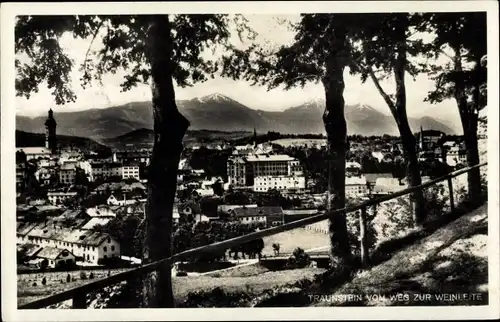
408, 140
169, 129
336, 129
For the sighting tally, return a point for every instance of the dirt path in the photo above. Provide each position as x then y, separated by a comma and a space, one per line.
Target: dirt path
448, 267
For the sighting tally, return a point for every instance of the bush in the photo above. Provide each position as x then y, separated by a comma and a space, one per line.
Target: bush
34, 284
44, 281
299, 259
91, 276
216, 298
83, 276
68, 278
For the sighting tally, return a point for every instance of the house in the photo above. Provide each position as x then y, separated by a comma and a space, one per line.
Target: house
265, 215
355, 186
58, 197
56, 257
89, 246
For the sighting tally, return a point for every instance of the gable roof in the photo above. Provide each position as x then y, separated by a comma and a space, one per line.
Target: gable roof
51, 252
257, 211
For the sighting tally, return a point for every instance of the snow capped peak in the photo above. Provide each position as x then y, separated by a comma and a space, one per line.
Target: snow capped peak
362, 107
217, 97
316, 102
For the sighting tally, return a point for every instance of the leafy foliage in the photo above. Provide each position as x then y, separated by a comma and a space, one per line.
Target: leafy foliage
40, 58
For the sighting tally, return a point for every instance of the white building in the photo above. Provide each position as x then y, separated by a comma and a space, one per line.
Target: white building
130, 170
89, 246
56, 257
58, 197
35, 152
281, 183
355, 187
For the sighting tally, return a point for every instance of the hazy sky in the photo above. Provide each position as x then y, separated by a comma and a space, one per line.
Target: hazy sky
255, 97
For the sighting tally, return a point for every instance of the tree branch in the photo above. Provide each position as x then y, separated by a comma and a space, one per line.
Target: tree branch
90, 45
382, 92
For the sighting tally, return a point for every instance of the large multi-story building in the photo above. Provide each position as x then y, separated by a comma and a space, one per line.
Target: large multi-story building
130, 170
356, 186
236, 166
106, 170
263, 172
67, 173
142, 156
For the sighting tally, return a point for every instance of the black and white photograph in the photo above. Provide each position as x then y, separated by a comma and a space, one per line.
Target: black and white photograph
319, 156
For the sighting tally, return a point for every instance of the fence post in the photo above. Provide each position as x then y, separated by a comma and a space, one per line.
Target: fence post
452, 197
80, 301
363, 238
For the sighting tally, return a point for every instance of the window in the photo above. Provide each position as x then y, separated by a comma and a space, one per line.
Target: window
112, 248
105, 248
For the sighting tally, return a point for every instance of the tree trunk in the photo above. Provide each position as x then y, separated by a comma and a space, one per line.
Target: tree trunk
408, 140
413, 171
169, 129
336, 129
469, 119
470, 139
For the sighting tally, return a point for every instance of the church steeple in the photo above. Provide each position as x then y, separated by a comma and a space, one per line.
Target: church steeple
254, 137
50, 133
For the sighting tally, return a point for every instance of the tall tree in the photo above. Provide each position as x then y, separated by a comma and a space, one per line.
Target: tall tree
318, 54
380, 48
460, 42
156, 49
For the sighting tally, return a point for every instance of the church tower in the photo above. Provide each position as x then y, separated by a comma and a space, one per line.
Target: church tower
50, 133
254, 137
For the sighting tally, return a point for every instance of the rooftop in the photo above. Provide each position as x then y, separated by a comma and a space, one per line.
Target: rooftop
51, 252
355, 181
267, 157
257, 211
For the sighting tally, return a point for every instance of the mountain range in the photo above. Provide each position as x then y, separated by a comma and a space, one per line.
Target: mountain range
217, 112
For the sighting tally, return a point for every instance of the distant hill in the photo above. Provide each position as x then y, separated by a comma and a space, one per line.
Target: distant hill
27, 139
143, 138
217, 112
